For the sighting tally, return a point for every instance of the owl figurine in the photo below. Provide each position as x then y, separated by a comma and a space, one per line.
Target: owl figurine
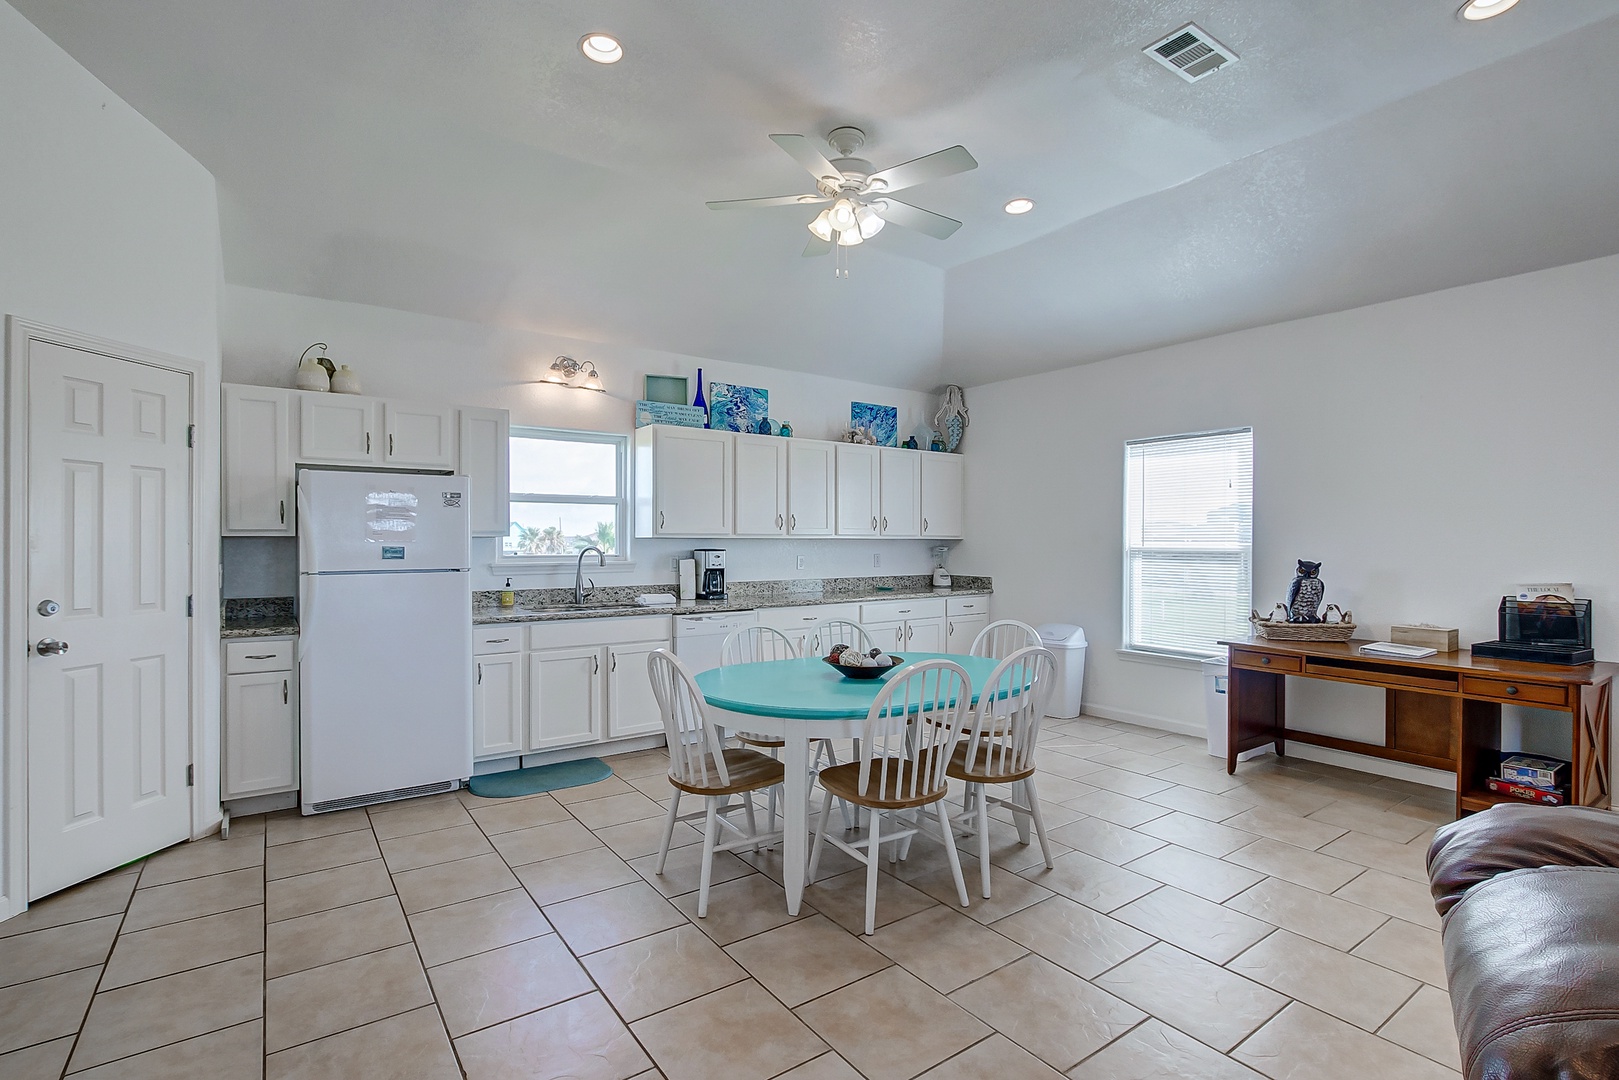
1304, 595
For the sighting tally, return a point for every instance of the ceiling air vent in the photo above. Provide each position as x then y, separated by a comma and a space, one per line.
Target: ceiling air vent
1191, 53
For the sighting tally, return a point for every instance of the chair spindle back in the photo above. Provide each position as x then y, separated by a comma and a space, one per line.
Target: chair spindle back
752, 644
696, 756
940, 689
1004, 730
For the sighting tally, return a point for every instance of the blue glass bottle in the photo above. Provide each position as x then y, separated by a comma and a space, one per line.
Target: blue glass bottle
699, 401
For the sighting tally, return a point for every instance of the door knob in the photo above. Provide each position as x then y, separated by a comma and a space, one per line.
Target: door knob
50, 647
48, 608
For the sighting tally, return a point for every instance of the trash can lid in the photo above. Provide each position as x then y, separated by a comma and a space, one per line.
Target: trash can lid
1061, 636
1214, 665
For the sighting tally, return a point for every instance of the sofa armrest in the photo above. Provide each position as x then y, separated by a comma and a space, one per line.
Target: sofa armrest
1514, 837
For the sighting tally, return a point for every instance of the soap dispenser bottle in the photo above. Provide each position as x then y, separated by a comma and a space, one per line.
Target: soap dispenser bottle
508, 598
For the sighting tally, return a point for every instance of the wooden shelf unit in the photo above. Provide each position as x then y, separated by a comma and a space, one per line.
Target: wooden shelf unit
1442, 711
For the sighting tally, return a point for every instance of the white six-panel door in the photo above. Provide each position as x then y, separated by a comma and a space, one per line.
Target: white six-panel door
109, 535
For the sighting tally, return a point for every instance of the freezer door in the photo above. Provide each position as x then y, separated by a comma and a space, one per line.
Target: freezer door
382, 521
385, 682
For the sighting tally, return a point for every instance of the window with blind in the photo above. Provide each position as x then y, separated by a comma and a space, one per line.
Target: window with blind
1188, 541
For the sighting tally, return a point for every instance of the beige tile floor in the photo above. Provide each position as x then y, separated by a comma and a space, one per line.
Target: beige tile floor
1273, 924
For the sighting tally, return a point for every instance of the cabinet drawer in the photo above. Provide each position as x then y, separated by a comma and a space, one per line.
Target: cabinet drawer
928, 607
966, 605
258, 654
614, 630
1520, 692
1261, 661
497, 639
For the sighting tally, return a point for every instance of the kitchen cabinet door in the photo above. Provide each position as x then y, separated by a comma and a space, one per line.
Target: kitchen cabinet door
564, 697
761, 486
889, 636
812, 489
256, 463
960, 630
337, 429
943, 496
632, 708
484, 458
925, 635
418, 436
859, 473
497, 706
683, 482
260, 737
900, 507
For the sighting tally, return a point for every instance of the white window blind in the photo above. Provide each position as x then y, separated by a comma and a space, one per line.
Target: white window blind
1188, 541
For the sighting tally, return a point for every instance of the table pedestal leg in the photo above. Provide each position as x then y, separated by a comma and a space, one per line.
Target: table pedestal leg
795, 818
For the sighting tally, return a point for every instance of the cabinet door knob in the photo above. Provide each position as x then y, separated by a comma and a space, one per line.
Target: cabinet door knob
1264, 660
792, 521
284, 689
614, 665
873, 524
283, 511
778, 521
595, 664
390, 446
924, 524
1512, 690
660, 519
368, 442
480, 674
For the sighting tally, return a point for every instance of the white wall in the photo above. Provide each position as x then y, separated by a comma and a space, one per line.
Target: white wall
1429, 451
423, 357
107, 228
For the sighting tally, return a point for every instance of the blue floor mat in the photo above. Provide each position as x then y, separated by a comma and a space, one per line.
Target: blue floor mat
516, 782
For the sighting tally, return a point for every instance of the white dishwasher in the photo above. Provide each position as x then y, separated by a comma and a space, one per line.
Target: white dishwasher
698, 637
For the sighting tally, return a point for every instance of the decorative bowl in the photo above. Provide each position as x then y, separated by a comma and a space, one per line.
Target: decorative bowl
864, 672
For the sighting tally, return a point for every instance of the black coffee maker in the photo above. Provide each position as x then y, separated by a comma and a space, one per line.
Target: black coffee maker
710, 573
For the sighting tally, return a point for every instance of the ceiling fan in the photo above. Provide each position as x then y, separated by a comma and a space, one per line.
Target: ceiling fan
860, 195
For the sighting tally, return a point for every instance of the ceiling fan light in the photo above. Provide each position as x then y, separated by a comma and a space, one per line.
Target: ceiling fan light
843, 215
822, 225
850, 237
602, 48
868, 222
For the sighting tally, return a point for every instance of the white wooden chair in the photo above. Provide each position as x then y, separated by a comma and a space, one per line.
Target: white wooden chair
1001, 639
901, 770
700, 765
999, 749
830, 632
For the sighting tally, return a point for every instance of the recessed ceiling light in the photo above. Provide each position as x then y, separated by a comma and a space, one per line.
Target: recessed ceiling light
1019, 206
1477, 10
602, 48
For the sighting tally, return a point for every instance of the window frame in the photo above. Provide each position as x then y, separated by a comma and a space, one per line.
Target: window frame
1242, 554
621, 502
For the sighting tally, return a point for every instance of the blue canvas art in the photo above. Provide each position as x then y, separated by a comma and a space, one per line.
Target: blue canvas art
881, 420
737, 408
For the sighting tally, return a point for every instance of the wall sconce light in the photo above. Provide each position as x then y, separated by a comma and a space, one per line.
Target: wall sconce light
565, 370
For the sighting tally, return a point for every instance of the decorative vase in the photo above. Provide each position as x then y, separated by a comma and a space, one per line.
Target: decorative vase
344, 381
311, 376
699, 402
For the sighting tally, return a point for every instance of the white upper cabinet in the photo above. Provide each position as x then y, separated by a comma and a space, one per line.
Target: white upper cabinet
484, 458
812, 488
859, 489
683, 483
418, 436
943, 496
257, 462
761, 486
900, 507
337, 428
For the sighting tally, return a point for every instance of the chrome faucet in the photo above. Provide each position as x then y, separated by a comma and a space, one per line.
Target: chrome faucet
579, 573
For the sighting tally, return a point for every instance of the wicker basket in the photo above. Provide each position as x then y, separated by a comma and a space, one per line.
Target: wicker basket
1272, 628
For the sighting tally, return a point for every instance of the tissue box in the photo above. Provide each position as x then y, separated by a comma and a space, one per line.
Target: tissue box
1438, 638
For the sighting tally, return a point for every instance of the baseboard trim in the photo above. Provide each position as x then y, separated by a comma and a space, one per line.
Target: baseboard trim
1159, 723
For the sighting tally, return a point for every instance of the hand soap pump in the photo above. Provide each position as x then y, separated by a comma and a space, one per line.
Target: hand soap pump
508, 598
941, 576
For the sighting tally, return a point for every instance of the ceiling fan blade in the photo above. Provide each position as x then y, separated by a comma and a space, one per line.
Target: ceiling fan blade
921, 170
804, 152
914, 217
817, 246
775, 200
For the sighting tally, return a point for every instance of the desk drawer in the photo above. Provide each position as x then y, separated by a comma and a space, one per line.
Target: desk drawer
1262, 661
1521, 693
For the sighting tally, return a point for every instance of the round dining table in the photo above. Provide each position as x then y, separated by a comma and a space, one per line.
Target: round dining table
799, 701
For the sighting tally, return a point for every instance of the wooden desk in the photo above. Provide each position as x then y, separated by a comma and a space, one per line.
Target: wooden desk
1442, 711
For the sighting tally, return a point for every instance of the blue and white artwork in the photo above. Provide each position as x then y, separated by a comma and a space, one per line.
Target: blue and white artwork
881, 420
737, 408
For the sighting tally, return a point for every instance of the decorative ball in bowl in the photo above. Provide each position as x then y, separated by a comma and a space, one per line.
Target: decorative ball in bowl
851, 664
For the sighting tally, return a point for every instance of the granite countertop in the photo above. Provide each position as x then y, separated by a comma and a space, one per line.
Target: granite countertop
484, 615
258, 626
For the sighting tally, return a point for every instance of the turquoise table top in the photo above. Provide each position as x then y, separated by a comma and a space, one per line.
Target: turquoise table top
809, 689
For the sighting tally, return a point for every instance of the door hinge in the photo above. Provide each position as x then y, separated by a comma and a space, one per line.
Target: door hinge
191, 435
189, 607
191, 776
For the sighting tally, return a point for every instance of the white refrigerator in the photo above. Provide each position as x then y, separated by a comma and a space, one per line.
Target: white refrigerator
385, 636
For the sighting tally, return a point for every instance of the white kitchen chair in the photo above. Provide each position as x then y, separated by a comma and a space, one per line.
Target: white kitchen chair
700, 765
1001, 639
754, 644
901, 770
999, 749
830, 632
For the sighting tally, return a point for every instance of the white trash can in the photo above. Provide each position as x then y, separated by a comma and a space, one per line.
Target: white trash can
1067, 642
1216, 678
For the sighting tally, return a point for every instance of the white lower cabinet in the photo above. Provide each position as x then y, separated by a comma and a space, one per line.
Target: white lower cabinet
564, 696
962, 630
498, 705
798, 623
916, 625
259, 741
586, 680
632, 708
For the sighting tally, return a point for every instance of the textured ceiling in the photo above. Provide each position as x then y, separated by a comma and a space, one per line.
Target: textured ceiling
462, 159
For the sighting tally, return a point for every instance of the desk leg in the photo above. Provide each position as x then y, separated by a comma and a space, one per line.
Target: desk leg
795, 818
1256, 713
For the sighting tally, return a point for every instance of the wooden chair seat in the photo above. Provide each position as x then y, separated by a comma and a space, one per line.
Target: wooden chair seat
765, 742
982, 769
843, 781
749, 770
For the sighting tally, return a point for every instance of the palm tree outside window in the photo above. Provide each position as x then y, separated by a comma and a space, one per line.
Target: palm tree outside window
568, 492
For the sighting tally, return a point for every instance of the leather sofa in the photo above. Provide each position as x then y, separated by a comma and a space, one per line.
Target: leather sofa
1530, 900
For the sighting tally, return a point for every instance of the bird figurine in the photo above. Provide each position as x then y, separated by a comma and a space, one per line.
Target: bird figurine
1304, 595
